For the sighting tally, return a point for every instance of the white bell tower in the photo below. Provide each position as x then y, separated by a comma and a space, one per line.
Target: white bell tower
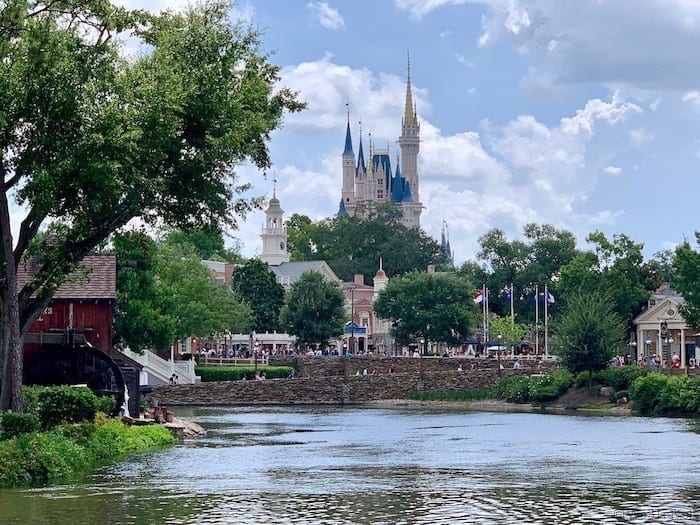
274, 234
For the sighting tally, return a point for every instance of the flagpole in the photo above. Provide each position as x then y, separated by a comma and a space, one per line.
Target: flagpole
512, 314
486, 309
483, 312
537, 319
546, 308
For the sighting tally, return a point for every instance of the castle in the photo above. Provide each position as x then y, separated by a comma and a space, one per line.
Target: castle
368, 185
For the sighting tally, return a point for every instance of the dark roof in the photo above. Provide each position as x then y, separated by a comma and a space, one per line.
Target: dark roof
348, 142
341, 208
98, 282
361, 160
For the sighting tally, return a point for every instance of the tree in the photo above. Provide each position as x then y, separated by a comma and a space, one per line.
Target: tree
589, 332
142, 318
685, 278
165, 293
199, 304
353, 245
616, 267
257, 285
314, 310
90, 140
434, 306
536, 260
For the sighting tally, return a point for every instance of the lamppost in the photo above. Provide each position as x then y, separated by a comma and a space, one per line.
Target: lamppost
257, 347
352, 319
345, 348
633, 348
498, 352
421, 341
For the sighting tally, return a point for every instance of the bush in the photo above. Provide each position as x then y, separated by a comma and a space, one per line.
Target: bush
454, 395
14, 424
551, 386
236, 373
657, 394
57, 404
621, 377
72, 449
514, 389
106, 404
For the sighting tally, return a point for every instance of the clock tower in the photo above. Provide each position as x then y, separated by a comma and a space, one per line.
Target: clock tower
274, 235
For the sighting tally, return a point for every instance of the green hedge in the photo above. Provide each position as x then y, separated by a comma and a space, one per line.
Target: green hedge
14, 424
454, 395
54, 405
660, 394
39, 458
551, 386
236, 373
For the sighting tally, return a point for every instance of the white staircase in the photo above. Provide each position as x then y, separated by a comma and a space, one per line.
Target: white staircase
158, 371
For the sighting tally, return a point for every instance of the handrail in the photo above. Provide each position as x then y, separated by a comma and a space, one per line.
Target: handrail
232, 361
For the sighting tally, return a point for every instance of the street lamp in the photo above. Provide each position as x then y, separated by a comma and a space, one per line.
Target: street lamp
345, 348
498, 352
352, 318
633, 348
421, 341
257, 347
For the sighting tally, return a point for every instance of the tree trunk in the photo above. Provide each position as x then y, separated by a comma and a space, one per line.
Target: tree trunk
11, 347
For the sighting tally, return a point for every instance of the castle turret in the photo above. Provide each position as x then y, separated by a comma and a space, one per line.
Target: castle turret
348, 160
409, 142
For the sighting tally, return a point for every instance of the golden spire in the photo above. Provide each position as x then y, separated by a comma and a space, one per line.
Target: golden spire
409, 114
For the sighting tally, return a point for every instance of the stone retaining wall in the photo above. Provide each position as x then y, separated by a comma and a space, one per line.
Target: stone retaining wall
324, 380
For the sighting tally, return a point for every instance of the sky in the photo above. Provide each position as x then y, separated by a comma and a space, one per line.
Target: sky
583, 114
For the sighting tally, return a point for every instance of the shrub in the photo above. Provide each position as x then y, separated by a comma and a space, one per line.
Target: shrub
14, 424
621, 394
235, 373
514, 389
72, 449
106, 404
620, 378
454, 395
56, 404
645, 392
550, 386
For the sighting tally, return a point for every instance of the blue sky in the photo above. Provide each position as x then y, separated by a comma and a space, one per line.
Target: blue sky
584, 114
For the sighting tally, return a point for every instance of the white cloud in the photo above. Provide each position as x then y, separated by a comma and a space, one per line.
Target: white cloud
640, 136
692, 97
613, 170
445, 34
326, 15
572, 40
605, 218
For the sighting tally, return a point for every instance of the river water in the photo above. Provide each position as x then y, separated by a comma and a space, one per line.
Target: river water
373, 466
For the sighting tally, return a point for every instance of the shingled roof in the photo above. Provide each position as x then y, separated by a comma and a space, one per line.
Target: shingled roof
99, 282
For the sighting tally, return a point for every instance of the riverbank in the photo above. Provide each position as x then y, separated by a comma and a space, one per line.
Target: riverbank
575, 401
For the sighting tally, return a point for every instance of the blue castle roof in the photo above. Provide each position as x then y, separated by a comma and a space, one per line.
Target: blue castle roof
341, 208
348, 142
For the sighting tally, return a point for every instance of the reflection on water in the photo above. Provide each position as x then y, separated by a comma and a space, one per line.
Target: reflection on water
323, 465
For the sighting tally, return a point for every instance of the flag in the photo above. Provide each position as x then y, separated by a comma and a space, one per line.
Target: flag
479, 297
550, 298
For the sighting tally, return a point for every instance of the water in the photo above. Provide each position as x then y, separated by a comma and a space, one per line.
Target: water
329, 465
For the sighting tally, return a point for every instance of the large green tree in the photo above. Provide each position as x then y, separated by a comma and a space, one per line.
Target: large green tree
142, 318
257, 285
685, 278
90, 140
589, 332
352, 245
314, 310
614, 266
525, 263
437, 307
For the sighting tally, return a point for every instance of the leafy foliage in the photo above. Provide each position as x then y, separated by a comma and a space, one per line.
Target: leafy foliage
54, 405
589, 332
314, 310
351, 245
435, 306
35, 459
658, 394
685, 277
14, 424
615, 267
257, 286
95, 140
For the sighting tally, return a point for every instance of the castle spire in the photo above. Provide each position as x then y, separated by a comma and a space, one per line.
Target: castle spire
409, 114
348, 137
